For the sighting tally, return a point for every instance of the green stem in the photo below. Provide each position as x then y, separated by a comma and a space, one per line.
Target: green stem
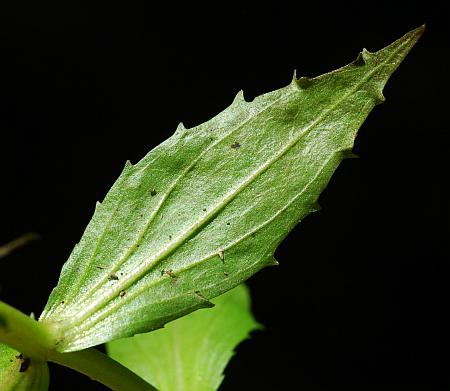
100, 367
23, 333
33, 340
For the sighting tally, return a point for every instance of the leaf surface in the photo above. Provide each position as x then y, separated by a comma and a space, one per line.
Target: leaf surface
18, 373
190, 353
207, 208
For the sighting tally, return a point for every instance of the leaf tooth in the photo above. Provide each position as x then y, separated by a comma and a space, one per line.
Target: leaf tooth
367, 55
180, 129
376, 92
379, 98
239, 98
271, 261
315, 207
349, 154
203, 301
128, 166
361, 58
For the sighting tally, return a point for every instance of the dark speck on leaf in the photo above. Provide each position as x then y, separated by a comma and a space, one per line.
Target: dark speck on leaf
204, 209
221, 255
235, 145
199, 294
122, 293
113, 277
225, 274
152, 192
24, 365
169, 272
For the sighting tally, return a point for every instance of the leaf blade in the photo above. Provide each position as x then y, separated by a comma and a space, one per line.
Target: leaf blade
206, 209
192, 352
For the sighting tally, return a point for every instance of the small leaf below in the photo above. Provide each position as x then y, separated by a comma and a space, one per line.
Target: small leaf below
190, 353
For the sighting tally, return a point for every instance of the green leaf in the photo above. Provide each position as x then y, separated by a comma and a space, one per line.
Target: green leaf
207, 208
190, 353
19, 373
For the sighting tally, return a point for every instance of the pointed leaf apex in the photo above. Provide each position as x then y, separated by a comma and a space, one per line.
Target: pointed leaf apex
416, 33
397, 51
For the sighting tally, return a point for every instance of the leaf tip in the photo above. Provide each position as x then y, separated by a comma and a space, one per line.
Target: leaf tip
411, 38
398, 49
417, 32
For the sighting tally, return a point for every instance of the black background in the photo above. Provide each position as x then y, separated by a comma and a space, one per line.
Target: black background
361, 294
